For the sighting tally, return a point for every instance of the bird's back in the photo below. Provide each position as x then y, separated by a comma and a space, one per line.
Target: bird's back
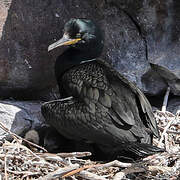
111, 107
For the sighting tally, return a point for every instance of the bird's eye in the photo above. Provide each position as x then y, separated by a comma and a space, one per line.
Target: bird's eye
78, 35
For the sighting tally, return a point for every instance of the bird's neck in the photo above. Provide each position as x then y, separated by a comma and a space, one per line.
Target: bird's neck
70, 58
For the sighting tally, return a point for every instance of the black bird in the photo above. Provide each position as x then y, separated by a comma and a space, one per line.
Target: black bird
100, 105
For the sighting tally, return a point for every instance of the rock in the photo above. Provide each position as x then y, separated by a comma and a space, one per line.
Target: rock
20, 117
169, 77
137, 33
32, 136
153, 83
174, 105
24, 57
160, 25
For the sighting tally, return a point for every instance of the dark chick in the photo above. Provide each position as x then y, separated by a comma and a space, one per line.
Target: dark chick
98, 104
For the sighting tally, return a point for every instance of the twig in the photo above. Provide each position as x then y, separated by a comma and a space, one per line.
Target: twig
26, 173
131, 170
178, 113
90, 176
163, 169
5, 167
15, 136
31, 143
164, 132
78, 170
74, 154
165, 100
9, 132
59, 172
97, 166
10, 156
52, 157
123, 173
166, 142
115, 163
169, 131
21, 146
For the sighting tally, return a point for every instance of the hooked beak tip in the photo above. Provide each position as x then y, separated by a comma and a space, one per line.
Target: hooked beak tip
64, 41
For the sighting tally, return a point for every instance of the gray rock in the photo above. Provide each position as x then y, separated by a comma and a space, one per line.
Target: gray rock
137, 33
169, 77
20, 117
153, 83
174, 105
160, 24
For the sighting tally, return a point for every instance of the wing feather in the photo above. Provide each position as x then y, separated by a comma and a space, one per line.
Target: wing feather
140, 98
121, 100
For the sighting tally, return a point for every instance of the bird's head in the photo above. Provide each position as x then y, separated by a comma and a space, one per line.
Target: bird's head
81, 34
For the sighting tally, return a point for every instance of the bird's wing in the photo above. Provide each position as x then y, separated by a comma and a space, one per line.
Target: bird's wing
129, 92
100, 87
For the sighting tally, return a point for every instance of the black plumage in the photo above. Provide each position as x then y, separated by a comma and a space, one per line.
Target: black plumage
100, 106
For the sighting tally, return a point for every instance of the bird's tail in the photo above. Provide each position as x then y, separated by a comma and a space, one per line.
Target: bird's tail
135, 151
143, 150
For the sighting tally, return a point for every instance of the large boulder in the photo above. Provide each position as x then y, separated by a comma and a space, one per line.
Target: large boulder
19, 117
160, 23
142, 42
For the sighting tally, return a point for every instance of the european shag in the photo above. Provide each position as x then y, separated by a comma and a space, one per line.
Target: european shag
98, 105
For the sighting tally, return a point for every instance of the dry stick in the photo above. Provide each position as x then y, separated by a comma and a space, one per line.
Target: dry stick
23, 147
10, 156
8, 131
131, 170
5, 168
59, 172
35, 145
170, 131
166, 142
90, 176
164, 132
53, 157
78, 170
15, 136
74, 154
27, 173
97, 166
163, 169
73, 178
115, 163
164, 110
178, 113
123, 173
165, 100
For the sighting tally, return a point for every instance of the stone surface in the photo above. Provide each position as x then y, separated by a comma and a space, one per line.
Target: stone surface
164, 43
19, 117
142, 42
174, 105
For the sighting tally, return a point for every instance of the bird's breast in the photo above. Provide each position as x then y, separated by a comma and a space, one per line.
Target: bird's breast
84, 79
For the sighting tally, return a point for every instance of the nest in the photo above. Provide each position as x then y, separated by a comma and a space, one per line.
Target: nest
20, 162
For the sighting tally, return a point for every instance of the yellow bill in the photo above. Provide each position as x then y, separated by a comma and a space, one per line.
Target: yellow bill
64, 41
